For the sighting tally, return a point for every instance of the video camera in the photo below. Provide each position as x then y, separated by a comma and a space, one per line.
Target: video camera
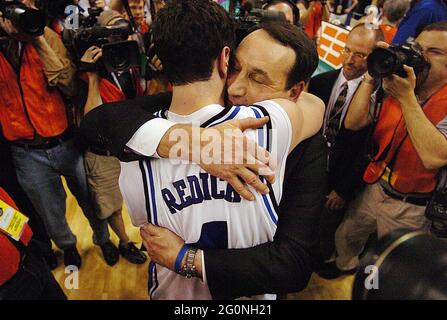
27, 20
118, 53
384, 62
250, 14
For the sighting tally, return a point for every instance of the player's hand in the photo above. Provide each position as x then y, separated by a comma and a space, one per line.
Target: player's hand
334, 201
162, 245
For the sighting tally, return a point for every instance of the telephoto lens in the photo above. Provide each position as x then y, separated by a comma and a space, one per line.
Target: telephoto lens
384, 62
404, 265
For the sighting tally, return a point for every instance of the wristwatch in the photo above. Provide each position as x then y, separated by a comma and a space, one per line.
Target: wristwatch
189, 269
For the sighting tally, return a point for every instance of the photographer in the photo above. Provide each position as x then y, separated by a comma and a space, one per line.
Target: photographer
103, 170
35, 71
410, 135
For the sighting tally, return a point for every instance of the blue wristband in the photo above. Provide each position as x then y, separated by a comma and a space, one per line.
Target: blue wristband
179, 258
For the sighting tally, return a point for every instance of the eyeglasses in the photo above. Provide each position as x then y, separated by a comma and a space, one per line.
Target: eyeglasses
357, 55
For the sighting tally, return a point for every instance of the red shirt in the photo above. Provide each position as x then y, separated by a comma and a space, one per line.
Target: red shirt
9, 254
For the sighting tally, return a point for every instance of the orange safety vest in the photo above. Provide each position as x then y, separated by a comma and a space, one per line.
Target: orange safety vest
27, 104
396, 150
110, 92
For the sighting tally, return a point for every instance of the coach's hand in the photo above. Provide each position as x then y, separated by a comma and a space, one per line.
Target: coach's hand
225, 152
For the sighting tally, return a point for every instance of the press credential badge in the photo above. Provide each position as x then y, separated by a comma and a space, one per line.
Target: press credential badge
12, 222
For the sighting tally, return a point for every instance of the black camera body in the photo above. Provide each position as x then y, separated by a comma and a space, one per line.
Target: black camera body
27, 20
118, 53
384, 62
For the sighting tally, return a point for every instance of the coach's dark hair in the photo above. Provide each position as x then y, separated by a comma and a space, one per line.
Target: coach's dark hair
437, 26
306, 56
188, 36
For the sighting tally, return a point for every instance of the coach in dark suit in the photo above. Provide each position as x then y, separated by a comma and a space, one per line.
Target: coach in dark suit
345, 166
285, 264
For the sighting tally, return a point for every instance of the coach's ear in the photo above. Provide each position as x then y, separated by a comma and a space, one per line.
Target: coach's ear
223, 62
295, 91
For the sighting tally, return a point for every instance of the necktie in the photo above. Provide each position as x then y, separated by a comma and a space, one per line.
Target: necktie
333, 122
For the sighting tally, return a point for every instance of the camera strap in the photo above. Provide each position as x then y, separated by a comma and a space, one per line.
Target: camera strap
369, 145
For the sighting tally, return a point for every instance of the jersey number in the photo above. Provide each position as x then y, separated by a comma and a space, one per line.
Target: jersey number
214, 235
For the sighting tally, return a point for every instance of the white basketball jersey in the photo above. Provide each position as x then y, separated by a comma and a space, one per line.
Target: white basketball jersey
200, 208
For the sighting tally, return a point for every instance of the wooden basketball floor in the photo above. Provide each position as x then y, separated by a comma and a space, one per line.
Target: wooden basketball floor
126, 281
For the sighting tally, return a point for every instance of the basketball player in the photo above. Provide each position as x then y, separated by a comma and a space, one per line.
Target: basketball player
193, 40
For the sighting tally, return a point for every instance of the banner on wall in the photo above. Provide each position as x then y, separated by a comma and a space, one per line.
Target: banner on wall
331, 43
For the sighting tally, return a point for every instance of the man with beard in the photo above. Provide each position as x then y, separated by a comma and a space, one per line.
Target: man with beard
410, 134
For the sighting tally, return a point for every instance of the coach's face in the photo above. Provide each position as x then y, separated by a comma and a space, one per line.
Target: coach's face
261, 70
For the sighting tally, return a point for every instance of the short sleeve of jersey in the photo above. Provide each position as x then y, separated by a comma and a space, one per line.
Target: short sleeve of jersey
278, 137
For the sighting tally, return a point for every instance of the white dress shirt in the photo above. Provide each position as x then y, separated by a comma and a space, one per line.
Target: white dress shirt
336, 90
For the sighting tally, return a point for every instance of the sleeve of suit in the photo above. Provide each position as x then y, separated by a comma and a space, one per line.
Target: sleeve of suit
284, 265
111, 125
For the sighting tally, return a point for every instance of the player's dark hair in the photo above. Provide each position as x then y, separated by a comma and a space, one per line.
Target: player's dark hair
306, 56
189, 35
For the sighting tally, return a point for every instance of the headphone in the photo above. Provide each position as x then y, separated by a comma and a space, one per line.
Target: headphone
292, 4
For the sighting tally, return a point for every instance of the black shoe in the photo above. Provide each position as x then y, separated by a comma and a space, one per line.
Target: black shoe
51, 259
110, 253
331, 271
132, 253
72, 257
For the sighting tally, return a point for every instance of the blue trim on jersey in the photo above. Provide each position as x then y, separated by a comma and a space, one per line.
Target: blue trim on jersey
145, 189
151, 280
230, 117
152, 277
273, 215
151, 180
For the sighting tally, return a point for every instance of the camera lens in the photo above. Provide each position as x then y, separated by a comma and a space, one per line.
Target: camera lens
382, 63
119, 59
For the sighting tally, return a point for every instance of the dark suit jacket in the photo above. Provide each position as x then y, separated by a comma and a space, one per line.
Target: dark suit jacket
347, 162
284, 265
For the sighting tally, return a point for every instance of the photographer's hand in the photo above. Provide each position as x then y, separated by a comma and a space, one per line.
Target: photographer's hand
8, 27
401, 88
91, 56
98, 4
